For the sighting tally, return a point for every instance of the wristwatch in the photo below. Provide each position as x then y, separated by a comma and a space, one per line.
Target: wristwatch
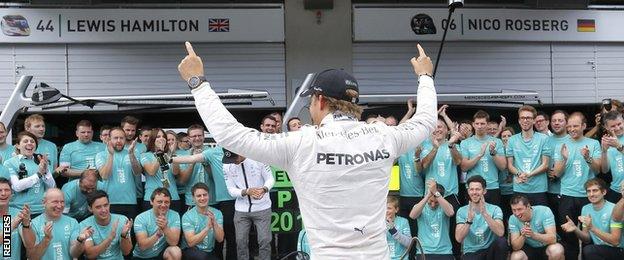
437, 194
620, 148
195, 81
451, 145
469, 222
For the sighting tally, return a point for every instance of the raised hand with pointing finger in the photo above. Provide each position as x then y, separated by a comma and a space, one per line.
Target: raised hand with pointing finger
422, 64
191, 65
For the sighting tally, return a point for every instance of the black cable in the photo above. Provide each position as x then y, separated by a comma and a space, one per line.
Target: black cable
448, 22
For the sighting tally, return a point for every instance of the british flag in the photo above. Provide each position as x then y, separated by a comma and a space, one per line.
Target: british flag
219, 25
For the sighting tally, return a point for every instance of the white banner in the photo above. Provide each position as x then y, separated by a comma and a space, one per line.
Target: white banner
415, 24
141, 25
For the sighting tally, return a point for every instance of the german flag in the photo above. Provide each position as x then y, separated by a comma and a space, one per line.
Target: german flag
586, 25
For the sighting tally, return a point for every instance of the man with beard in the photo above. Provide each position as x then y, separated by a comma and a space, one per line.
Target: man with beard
612, 158
111, 237
532, 232
76, 192
599, 228
158, 229
577, 161
117, 166
484, 155
558, 123
6, 151
527, 159
17, 217
79, 155
480, 226
202, 226
129, 124
53, 235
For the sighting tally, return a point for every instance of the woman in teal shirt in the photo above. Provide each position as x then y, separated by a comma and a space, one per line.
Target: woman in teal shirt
158, 174
31, 174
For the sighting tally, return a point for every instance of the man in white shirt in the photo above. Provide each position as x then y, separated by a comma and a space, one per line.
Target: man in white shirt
339, 167
249, 182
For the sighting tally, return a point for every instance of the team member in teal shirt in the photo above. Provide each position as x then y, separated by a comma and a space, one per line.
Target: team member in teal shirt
202, 226
505, 179
76, 192
29, 179
35, 125
157, 173
302, 242
558, 123
53, 235
117, 167
6, 151
411, 181
576, 162
17, 217
484, 155
527, 159
598, 225
398, 235
440, 159
480, 225
532, 231
433, 215
612, 158
158, 229
111, 236
79, 155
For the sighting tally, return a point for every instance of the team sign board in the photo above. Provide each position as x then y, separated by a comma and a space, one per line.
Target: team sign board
416, 24
141, 25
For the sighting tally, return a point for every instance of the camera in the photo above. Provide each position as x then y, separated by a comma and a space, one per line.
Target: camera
163, 161
22, 173
606, 104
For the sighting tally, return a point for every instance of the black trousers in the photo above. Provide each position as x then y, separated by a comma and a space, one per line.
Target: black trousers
193, 253
613, 196
498, 250
127, 210
553, 202
602, 252
539, 198
227, 208
571, 207
493, 196
454, 201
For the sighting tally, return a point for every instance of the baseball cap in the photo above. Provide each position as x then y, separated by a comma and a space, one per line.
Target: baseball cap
333, 83
229, 156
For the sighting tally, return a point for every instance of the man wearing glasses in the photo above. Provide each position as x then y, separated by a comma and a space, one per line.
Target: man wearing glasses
527, 159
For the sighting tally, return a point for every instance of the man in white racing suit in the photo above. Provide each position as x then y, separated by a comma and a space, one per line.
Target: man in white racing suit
340, 167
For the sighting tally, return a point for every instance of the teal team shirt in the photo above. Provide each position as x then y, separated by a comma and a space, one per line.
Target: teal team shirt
46, 147
411, 181
7, 153
434, 231
527, 156
616, 165
554, 144
194, 221
541, 218
16, 239
480, 236
577, 171
75, 200
64, 231
442, 169
485, 167
602, 220
302, 242
81, 156
120, 183
214, 156
146, 223
4, 172
395, 248
32, 196
113, 251
139, 148
155, 181
182, 186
